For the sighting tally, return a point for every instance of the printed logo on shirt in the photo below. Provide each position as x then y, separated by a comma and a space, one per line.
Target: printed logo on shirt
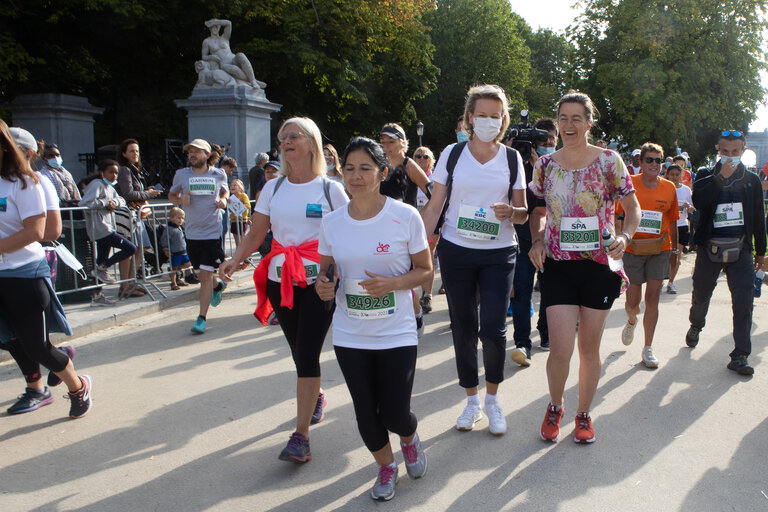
3, 204
314, 211
382, 248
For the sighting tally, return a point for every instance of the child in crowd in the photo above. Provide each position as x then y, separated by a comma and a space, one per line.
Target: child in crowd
175, 246
102, 199
237, 190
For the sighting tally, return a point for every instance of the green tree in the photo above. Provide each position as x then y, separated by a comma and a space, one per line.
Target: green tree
667, 70
476, 41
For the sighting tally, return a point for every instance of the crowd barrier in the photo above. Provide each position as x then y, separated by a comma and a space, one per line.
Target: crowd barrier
154, 264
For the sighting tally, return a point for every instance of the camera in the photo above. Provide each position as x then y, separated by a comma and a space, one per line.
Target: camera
525, 137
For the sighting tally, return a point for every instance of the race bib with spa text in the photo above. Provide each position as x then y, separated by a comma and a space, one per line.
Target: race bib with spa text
579, 234
202, 186
650, 222
477, 223
729, 214
361, 305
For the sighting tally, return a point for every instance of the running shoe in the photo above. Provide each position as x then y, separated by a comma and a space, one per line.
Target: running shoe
199, 327
550, 427
471, 415
426, 303
297, 449
319, 414
216, 297
31, 400
544, 345
53, 379
649, 360
102, 300
191, 279
510, 310
497, 423
692, 336
415, 458
740, 365
671, 288
80, 401
521, 356
101, 274
628, 333
419, 326
384, 488
584, 432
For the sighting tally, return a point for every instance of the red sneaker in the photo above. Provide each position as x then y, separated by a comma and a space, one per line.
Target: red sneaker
584, 432
550, 428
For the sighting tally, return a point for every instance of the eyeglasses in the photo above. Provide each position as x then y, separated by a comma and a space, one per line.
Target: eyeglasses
650, 160
291, 137
426, 157
731, 133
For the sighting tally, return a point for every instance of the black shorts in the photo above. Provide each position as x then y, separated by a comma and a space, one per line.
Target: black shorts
579, 283
205, 254
683, 235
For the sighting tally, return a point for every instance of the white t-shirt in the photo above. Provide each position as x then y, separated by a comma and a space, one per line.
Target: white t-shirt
684, 195
295, 212
475, 188
49, 192
382, 245
17, 204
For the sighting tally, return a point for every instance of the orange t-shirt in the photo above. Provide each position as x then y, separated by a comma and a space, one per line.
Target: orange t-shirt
659, 206
687, 179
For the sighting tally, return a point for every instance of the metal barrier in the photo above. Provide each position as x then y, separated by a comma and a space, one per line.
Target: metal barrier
154, 263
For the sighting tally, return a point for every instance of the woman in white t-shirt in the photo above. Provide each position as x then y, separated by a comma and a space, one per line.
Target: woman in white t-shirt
685, 204
293, 206
380, 251
25, 290
478, 245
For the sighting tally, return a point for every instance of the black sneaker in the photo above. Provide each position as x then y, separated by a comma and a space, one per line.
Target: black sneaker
53, 379
692, 337
191, 279
544, 345
426, 303
319, 414
31, 400
297, 449
80, 400
740, 365
419, 326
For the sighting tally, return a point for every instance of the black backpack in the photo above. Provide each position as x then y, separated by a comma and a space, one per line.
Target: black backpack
453, 157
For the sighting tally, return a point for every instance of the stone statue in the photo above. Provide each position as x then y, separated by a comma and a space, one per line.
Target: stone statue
220, 67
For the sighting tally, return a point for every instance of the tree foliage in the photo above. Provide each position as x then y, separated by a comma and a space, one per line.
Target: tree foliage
667, 70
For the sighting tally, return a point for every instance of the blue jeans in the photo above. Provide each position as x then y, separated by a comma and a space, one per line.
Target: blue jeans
103, 245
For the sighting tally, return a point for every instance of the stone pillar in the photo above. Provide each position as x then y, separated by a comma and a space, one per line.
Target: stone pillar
61, 119
238, 115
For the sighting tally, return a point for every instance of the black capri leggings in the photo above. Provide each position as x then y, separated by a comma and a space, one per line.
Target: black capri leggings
380, 383
304, 326
23, 304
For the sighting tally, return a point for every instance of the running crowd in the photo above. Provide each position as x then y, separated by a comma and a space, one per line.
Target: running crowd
346, 241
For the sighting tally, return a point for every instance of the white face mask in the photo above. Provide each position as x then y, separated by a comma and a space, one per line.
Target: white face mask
734, 159
486, 128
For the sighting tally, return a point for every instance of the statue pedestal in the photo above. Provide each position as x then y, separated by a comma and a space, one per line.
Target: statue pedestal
62, 119
234, 115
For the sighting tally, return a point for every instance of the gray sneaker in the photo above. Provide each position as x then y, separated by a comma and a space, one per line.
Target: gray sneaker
101, 274
415, 458
101, 300
384, 488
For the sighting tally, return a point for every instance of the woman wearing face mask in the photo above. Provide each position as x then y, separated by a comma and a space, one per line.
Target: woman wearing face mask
478, 244
62, 180
332, 165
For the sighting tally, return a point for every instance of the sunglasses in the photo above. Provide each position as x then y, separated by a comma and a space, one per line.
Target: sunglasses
650, 160
731, 133
426, 157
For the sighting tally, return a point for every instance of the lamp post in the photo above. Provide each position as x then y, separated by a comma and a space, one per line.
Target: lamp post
419, 130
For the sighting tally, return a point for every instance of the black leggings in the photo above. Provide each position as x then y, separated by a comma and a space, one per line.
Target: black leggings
23, 304
380, 383
304, 326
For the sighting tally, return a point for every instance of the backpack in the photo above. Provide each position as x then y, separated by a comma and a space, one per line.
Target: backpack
453, 158
326, 189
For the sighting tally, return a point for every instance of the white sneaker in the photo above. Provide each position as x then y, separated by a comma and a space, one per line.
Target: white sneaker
100, 273
628, 333
649, 359
671, 288
497, 423
471, 415
521, 356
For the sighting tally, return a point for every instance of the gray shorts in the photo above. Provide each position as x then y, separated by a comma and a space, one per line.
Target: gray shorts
640, 269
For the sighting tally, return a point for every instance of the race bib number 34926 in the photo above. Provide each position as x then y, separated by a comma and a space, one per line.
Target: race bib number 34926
477, 223
359, 304
579, 234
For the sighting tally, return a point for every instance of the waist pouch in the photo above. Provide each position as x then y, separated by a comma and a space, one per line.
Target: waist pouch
724, 250
648, 246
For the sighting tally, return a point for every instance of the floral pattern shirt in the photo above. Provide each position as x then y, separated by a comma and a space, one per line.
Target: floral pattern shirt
586, 192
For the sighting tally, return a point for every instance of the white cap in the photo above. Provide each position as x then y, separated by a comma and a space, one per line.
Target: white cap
636, 152
23, 138
199, 144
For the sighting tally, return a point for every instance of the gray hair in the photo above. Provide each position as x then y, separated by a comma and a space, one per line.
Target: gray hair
261, 158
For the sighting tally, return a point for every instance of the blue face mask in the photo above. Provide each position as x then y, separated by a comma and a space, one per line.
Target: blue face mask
113, 183
55, 162
667, 164
462, 136
734, 159
544, 150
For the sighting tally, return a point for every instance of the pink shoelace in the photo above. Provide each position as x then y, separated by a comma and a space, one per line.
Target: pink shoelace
411, 453
385, 474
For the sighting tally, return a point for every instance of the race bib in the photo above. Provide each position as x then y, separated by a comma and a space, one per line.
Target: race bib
310, 270
421, 202
650, 222
362, 306
3, 204
236, 206
314, 211
729, 214
579, 234
477, 223
202, 186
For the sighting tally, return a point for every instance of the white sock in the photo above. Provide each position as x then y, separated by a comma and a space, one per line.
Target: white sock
473, 400
491, 399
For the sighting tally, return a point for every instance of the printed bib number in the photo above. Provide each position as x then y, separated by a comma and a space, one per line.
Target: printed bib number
477, 223
311, 271
579, 234
3, 204
729, 214
362, 306
202, 186
650, 222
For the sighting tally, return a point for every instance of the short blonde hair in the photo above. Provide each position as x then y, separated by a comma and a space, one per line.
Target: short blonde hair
310, 130
239, 183
399, 129
424, 150
175, 212
491, 92
650, 147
